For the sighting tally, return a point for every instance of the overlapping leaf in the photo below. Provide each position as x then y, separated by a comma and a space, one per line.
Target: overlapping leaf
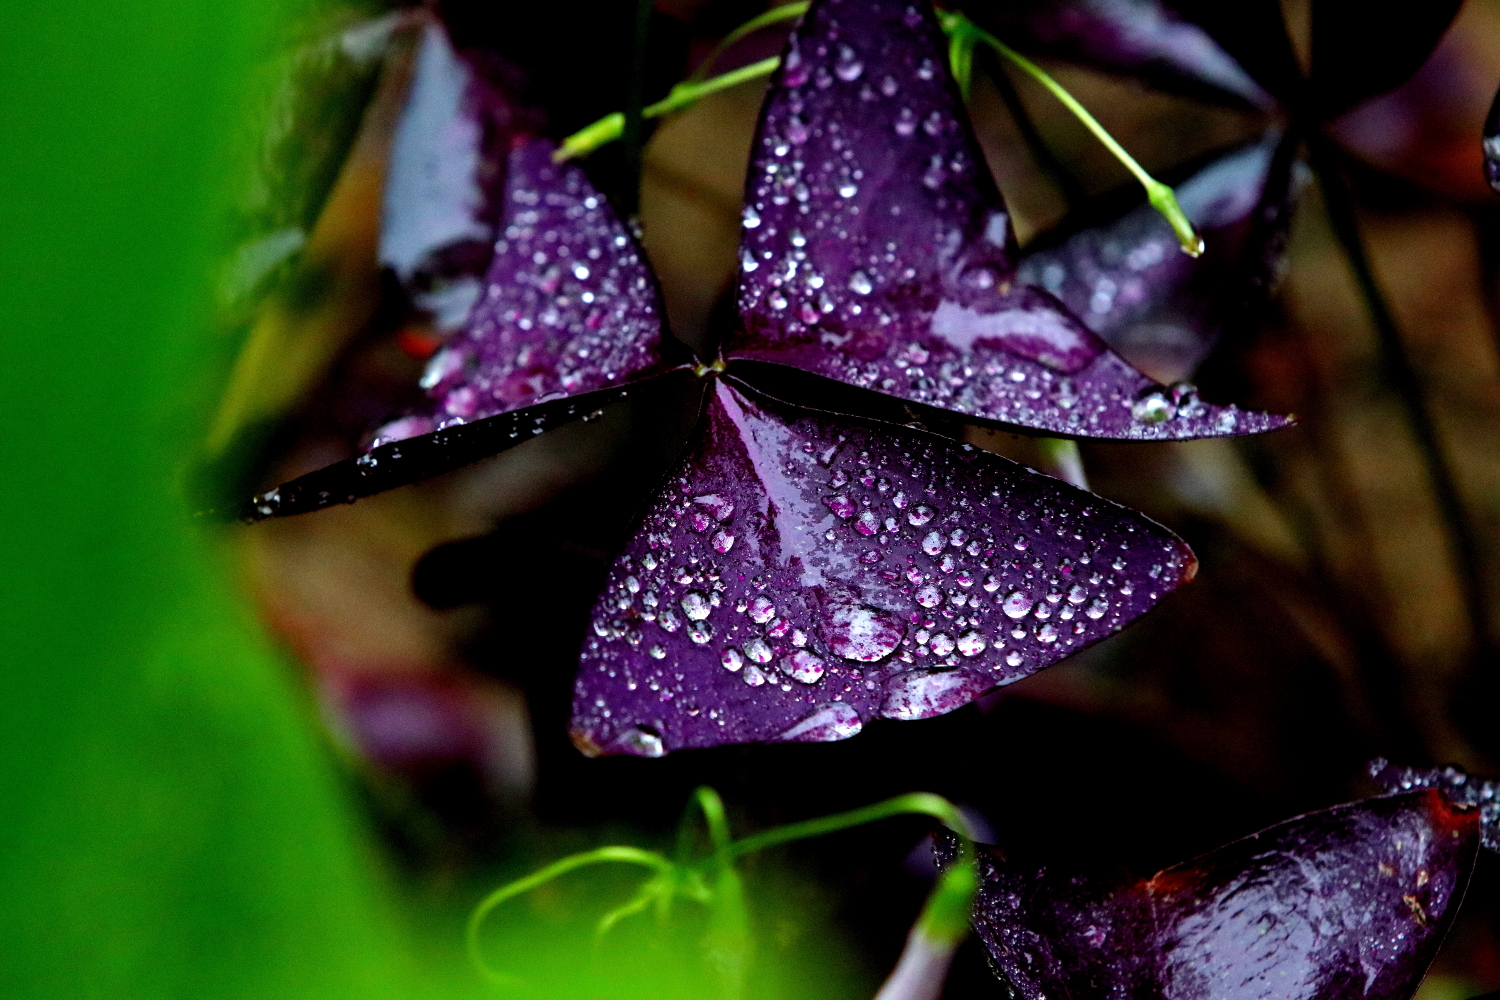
804, 573
1149, 302
877, 250
1350, 902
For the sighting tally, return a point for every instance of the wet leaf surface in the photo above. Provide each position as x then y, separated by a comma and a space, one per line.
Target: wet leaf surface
1348, 902
878, 252
803, 573
1459, 787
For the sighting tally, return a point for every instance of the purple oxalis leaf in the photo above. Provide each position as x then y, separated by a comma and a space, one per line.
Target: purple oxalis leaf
1143, 37
1158, 307
803, 573
442, 188
877, 250
1349, 903
570, 317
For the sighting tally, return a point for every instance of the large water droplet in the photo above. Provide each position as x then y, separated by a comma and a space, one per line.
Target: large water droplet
753, 676
762, 610
941, 644
1047, 633
841, 506
922, 694
642, 742
971, 643
700, 632
859, 632
803, 666
929, 596
759, 650
933, 543
920, 515
695, 605
1153, 408
1013, 658
1016, 605
867, 523
722, 541
1077, 595
732, 659
669, 621
1096, 608
834, 721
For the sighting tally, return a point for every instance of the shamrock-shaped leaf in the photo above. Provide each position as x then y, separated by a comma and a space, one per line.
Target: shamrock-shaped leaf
803, 573
877, 250
1143, 37
1350, 902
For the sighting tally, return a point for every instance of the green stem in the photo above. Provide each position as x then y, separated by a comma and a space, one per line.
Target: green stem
913, 804
775, 15
612, 126
633, 126
1161, 196
627, 855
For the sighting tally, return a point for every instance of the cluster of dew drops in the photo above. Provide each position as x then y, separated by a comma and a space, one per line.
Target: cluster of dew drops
582, 288
971, 593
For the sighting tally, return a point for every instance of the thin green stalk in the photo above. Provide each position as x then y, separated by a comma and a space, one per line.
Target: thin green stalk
913, 804
1161, 196
786, 12
626, 855
609, 128
633, 126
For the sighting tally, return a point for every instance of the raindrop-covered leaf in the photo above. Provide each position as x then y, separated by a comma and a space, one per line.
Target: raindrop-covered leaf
1142, 37
569, 317
1152, 304
803, 573
877, 250
1349, 903
442, 196
1460, 787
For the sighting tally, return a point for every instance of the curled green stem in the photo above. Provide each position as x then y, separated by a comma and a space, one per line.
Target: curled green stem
776, 15
1161, 196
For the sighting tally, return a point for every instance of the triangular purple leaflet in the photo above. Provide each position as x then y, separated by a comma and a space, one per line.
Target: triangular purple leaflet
803, 573
1142, 37
877, 250
1349, 903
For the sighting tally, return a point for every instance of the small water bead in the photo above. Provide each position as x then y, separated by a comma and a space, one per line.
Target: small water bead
750, 218
888, 86
649, 561
947, 564
933, 543
753, 676
840, 477
695, 605
669, 621
867, 523
722, 542
1021, 543
1077, 595
842, 506
762, 610
633, 585
642, 743
1016, 605
1097, 608
777, 300
941, 644
929, 596
1013, 658
848, 68
1046, 633
799, 637
848, 190
899, 501
1043, 611
732, 659
991, 583
1153, 408
803, 667
700, 632
778, 628
649, 598
920, 515
906, 122
971, 643
657, 653
758, 650
859, 282
699, 521
957, 537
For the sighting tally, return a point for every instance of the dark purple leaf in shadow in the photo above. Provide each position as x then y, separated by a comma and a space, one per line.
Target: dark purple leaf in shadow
569, 305
408, 459
803, 573
1142, 37
1253, 32
1160, 308
1350, 903
1356, 56
878, 252
1492, 146
444, 181
1457, 785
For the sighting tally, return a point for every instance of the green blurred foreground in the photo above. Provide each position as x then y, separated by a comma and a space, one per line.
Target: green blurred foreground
172, 827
